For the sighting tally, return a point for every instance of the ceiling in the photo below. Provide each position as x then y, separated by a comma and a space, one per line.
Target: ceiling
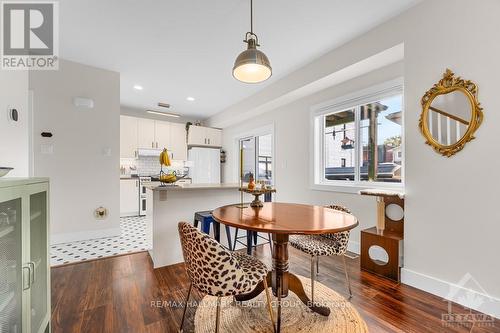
180, 48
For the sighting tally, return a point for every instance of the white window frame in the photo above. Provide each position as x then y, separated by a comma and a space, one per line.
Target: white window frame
351, 101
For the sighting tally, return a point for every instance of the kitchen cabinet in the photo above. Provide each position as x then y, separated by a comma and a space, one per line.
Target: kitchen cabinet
141, 133
24, 268
214, 137
204, 136
128, 137
129, 197
162, 134
178, 144
146, 133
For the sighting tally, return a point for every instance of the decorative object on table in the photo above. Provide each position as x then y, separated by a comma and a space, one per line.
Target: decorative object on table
296, 317
386, 238
324, 245
4, 171
215, 271
252, 65
257, 193
251, 182
451, 114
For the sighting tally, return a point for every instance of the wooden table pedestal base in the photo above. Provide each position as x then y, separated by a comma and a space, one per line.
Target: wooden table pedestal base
283, 281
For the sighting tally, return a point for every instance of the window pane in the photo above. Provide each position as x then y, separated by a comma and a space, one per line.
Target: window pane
380, 135
265, 158
339, 150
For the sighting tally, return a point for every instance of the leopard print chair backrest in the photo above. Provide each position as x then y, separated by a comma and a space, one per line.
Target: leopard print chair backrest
211, 268
341, 238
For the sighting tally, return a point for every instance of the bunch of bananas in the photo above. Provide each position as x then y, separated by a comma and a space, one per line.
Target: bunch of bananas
168, 178
164, 158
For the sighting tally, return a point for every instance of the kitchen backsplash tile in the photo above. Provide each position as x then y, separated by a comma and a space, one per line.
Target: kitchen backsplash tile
148, 166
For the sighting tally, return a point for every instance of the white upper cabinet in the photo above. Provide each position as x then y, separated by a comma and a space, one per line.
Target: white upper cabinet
146, 133
204, 136
214, 137
178, 144
196, 136
141, 133
128, 136
162, 135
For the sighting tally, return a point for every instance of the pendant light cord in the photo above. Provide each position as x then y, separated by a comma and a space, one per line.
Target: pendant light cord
251, 16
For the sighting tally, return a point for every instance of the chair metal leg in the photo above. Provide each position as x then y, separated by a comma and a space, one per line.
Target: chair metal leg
185, 307
269, 304
235, 238
270, 243
229, 242
313, 270
217, 319
317, 266
347, 277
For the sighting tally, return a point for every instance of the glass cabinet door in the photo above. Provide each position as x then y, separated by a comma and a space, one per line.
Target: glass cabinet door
11, 266
38, 255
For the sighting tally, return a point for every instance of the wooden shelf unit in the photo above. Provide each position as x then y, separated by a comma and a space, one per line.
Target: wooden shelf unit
388, 234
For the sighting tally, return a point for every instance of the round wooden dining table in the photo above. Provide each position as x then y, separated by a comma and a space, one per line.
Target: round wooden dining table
282, 220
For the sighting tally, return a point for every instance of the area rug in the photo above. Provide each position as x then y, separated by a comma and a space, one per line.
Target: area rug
253, 316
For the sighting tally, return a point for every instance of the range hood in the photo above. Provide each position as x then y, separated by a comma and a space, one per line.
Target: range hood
148, 152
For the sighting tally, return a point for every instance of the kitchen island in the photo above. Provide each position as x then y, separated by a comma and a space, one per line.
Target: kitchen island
172, 204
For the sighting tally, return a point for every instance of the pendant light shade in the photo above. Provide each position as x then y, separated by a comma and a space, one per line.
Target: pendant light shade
252, 65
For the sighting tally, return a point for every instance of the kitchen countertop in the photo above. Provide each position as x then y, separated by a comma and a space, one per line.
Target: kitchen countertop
184, 187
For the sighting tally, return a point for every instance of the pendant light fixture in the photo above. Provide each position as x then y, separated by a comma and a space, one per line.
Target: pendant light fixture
252, 65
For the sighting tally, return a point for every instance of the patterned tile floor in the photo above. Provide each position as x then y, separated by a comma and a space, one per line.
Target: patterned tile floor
133, 238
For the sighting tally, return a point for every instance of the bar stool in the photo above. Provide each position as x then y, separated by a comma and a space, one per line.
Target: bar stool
251, 240
206, 220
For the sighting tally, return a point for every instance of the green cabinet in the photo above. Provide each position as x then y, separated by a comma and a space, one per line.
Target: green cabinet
24, 264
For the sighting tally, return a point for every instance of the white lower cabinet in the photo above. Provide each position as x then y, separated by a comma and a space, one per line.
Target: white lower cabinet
129, 197
24, 264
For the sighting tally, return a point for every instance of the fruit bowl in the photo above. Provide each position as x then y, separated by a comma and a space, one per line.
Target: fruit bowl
4, 171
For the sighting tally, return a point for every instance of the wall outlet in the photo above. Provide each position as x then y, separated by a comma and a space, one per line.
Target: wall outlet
100, 213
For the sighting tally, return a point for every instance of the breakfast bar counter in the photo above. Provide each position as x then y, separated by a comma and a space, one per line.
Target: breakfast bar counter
171, 204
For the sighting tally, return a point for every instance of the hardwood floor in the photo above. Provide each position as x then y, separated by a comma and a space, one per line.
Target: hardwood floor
124, 294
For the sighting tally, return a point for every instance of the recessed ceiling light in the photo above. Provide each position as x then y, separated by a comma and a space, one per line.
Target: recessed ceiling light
163, 113
138, 87
190, 99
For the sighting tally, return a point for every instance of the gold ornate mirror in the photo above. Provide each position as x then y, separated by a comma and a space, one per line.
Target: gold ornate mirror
451, 114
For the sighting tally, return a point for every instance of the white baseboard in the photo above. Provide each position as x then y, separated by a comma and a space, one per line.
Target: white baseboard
84, 235
455, 292
353, 247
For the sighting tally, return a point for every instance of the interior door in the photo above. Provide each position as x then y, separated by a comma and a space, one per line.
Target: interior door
11, 263
162, 135
146, 133
39, 262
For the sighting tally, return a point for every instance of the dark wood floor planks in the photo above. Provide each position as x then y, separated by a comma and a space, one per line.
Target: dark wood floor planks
124, 294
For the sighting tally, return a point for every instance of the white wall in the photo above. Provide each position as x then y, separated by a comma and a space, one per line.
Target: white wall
14, 142
451, 217
83, 176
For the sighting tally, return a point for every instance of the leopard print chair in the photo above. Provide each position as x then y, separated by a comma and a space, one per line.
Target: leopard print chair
216, 271
323, 245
